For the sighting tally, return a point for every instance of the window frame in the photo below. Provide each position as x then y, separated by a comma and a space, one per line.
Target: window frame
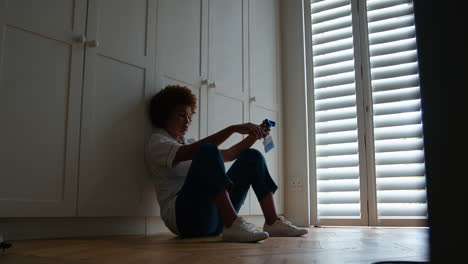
365, 117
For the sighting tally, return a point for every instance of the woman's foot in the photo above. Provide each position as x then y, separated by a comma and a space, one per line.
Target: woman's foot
242, 231
283, 228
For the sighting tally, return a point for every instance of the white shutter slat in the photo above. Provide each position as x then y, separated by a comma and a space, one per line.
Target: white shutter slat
334, 103
389, 24
330, 25
335, 114
408, 131
331, 14
346, 185
334, 80
395, 83
394, 59
399, 144
319, 6
337, 149
397, 107
336, 126
338, 173
400, 170
335, 91
394, 71
378, 4
333, 35
392, 35
399, 157
409, 118
401, 183
335, 68
402, 196
392, 47
402, 210
397, 95
347, 197
351, 211
342, 55
389, 12
333, 46
337, 161
336, 137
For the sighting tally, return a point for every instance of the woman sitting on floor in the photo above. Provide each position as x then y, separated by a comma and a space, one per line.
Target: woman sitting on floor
196, 194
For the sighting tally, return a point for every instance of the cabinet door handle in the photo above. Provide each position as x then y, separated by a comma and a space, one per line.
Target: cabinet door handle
253, 99
81, 39
93, 43
208, 84
212, 85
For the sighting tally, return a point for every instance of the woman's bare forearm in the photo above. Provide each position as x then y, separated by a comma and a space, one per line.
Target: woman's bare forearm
219, 137
186, 152
245, 144
254, 131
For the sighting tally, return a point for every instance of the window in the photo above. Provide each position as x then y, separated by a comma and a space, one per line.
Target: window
369, 156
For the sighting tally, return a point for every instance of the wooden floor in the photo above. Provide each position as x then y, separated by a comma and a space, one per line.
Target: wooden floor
321, 245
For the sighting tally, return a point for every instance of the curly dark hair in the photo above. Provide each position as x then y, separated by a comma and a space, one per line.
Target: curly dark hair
164, 102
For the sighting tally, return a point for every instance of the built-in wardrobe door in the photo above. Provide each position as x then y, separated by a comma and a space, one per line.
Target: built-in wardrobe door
41, 64
119, 75
178, 51
264, 85
227, 84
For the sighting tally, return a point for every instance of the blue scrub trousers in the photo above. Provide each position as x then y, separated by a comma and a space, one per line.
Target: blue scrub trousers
196, 211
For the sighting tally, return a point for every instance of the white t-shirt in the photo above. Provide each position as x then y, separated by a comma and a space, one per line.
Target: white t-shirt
168, 179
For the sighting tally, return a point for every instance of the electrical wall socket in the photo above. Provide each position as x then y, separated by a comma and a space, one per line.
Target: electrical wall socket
295, 181
296, 184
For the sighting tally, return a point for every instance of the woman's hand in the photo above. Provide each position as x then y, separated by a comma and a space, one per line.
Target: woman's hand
258, 131
265, 127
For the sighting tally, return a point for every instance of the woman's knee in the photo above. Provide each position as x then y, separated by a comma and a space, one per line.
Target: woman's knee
209, 149
252, 156
209, 146
210, 162
252, 165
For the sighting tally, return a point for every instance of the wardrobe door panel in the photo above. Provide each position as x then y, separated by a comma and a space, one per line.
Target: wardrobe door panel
178, 49
118, 82
41, 67
264, 85
263, 55
227, 93
225, 59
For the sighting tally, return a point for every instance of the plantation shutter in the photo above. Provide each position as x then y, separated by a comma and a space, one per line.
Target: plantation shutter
398, 142
381, 166
336, 132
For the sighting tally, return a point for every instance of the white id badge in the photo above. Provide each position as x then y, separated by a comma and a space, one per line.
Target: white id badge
268, 143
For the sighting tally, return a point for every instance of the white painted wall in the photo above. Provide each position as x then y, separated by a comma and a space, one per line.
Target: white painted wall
296, 166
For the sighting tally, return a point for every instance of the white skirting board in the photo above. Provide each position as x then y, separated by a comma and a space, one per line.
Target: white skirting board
68, 227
